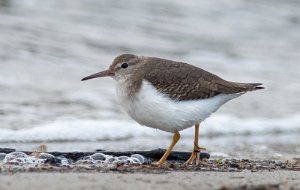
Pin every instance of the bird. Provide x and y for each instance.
(170, 95)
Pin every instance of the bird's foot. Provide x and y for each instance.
(195, 157)
(159, 163)
(200, 148)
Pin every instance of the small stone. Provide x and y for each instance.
(2, 156)
(63, 160)
(17, 158)
(85, 160)
(278, 162)
(14, 155)
(122, 158)
(98, 156)
(45, 156)
(139, 157)
(49, 158)
(110, 160)
(135, 161)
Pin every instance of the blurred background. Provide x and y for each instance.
(47, 46)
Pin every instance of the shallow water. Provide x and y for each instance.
(46, 47)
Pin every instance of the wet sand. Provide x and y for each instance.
(172, 180)
(85, 170)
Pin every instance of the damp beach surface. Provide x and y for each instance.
(175, 180)
(105, 170)
(129, 170)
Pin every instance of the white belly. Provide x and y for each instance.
(153, 109)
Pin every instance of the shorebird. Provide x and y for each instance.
(170, 95)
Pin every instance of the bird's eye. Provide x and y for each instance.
(124, 65)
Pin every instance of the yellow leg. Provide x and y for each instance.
(197, 149)
(175, 139)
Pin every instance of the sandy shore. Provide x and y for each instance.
(172, 180)
(90, 170)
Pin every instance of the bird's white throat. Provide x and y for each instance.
(151, 108)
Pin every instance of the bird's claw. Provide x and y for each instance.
(195, 155)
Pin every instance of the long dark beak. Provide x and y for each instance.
(105, 73)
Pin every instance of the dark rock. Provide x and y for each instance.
(50, 159)
(7, 150)
(152, 154)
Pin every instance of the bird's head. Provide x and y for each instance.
(121, 68)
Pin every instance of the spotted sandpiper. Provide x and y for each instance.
(169, 95)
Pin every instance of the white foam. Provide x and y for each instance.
(111, 160)
(20, 158)
(98, 159)
(96, 130)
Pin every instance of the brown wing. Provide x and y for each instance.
(181, 81)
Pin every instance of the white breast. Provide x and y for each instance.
(153, 109)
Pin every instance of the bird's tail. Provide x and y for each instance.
(251, 86)
(256, 86)
(236, 87)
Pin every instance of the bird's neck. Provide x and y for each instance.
(129, 86)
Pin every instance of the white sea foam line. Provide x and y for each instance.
(93, 130)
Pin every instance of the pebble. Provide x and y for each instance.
(140, 158)
(98, 156)
(110, 159)
(44, 155)
(15, 158)
(2, 156)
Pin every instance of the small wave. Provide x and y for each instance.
(99, 130)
